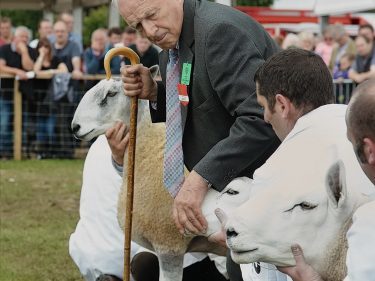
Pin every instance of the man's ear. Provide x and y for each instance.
(369, 151)
(284, 105)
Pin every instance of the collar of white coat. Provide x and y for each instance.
(321, 115)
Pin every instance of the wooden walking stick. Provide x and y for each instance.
(134, 59)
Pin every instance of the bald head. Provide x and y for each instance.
(360, 120)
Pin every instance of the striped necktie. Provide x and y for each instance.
(173, 155)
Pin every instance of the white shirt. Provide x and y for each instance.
(323, 129)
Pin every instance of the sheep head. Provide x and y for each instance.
(101, 107)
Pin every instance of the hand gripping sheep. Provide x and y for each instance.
(134, 59)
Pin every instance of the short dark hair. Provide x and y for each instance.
(361, 111)
(130, 30)
(5, 20)
(300, 75)
(114, 30)
(367, 25)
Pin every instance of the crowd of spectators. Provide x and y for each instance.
(346, 57)
(57, 58)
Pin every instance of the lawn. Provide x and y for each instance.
(39, 201)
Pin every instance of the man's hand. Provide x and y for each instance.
(302, 271)
(77, 74)
(187, 212)
(219, 237)
(21, 48)
(21, 74)
(118, 139)
(138, 81)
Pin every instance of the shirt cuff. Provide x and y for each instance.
(119, 169)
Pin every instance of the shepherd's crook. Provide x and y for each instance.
(134, 59)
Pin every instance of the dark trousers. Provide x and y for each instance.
(233, 269)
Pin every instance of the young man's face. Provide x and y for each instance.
(158, 20)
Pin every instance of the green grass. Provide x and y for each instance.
(39, 203)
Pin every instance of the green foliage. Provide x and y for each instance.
(29, 19)
(96, 18)
(264, 3)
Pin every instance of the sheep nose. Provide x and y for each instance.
(75, 128)
(231, 233)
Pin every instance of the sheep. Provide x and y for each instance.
(309, 199)
(153, 226)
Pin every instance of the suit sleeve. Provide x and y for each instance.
(231, 64)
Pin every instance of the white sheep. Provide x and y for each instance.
(153, 226)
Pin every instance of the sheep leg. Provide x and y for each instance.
(171, 267)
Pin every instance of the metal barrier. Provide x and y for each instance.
(33, 127)
(41, 129)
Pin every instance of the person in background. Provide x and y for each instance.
(290, 41)
(44, 30)
(325, 48)
(16, 58)
(366, 30)
(5, 31)
(114, 36)
(94, 56)
(342, 72)
(148, 55)
(68, 19)
(128, 37)
(363, 67)
(345, 45)
(46, 64)
(307, 40)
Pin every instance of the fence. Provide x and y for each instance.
(32, 125)
(38, 128)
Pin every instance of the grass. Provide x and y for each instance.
(39, 203)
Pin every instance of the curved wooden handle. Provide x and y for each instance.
(123, 51)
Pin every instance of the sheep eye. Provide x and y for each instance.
(305, 206)
(111, 94)
(232, 192)
(103, 102)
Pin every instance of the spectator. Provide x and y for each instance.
(69, 21)
(114, 36)
(15, 59)
(94, 56)
(363, 67)
(290, 41)
(128, 36)
(44, 30)
(147, 53)
(307, 40)
(344, 45)
(46, 110)
(325, 48)
(367, 31)
(342, 72)
(67, 51)
(5, 31)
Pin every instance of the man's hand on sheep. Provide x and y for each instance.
(118, 139)
(187, 211)
(302, 271)
(138, 81)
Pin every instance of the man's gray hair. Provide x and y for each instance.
(22, 28)
(339, 30)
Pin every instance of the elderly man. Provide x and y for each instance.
(360, 120)
(16, 59)
(207, 96)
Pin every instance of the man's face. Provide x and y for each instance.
(61, 33)
(128, 39)
(363, 48)
(366, 32)
(98, 41)
(5, 30)
(69, 21)
(158, 20)
(274, 117)
(115, 38)
(21, 37)
(45, 29)
(143, 44)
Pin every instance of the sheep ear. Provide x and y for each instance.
(154, 70)
(336, 184)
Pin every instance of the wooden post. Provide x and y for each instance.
(17, 123)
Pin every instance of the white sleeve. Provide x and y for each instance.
(360, 258)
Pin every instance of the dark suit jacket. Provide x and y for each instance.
(224, 132)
